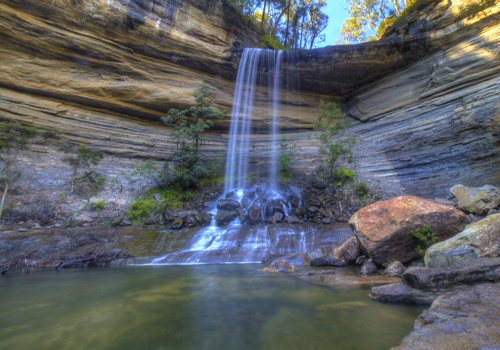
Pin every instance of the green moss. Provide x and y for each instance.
(267, 40)
(343, 175)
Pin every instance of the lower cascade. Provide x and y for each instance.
(232, 235)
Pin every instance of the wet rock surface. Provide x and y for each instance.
(327, 261)
(228, 204)
(421, 285)
(280, 266)
(368, 267)
(465, 319)
(292, 259)
(383, 228)
(348, 252)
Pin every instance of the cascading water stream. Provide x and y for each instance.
(236, 242)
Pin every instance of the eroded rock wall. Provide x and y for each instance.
(436, 123)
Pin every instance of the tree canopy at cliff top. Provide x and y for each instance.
(301, 24)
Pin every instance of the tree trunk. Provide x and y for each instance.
(287, 22)
(263, 13)
(396, 5)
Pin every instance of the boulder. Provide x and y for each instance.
(293, 259)
(292, 220)
(272, 220)
(203, 218)
(475, 271)
(278, 216)
(331, 279)
(483, 237)
(228, 204)
(327, 261)
(177, 224)
(315, 254)
(464, 319)
(395, 268)
(477, 200)
(254, 213)
(190, 221)
(312, 209)
(225, 218)
(383, 228)
(167, 217)
(438, 259)
(328, 213)
(229, 194)
(348, 252)
(368, 267)
(403, 293)
(280, 266)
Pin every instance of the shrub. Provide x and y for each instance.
(334, 144)
(425, 236)
(189, 126)
(361, 188)
(84, 157)
(285, 158)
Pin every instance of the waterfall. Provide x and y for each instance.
(268, 64)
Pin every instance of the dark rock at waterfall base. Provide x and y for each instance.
(278, 216)
(190, 221)
(273, 220)
(312, 209)
(464, 319)
(167, 217)
(177, 224)
(327, 261)
(254, 213)
(225, 218)
(203, 219)
(228, 204)
(368, 267)
(292, 220)
(229, 194)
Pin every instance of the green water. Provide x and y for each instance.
(191, 307)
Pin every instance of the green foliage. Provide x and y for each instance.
(425, 236)
(472, 10)
(267, 40)
(372, 15)
(388, 263)
(361, 188)
(377, 197)
(250, 178)
(142, 208)
(99, 204)
(47, 134)
(189, 125)
(334, 144)
(285, 159)
(84, 157)
(94, 179)
(16, 133)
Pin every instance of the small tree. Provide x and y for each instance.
(83, 158)
(285, 158)
(189, 126)
(334, 144)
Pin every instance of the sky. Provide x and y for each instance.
(336, 15)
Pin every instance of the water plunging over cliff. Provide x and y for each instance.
(256, 65)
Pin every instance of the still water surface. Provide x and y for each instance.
(192, 307)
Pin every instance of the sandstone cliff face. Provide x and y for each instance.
(435, 123)
(104, 72)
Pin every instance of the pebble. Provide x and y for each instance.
(22, 230)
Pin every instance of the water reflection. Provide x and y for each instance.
(192, 307)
